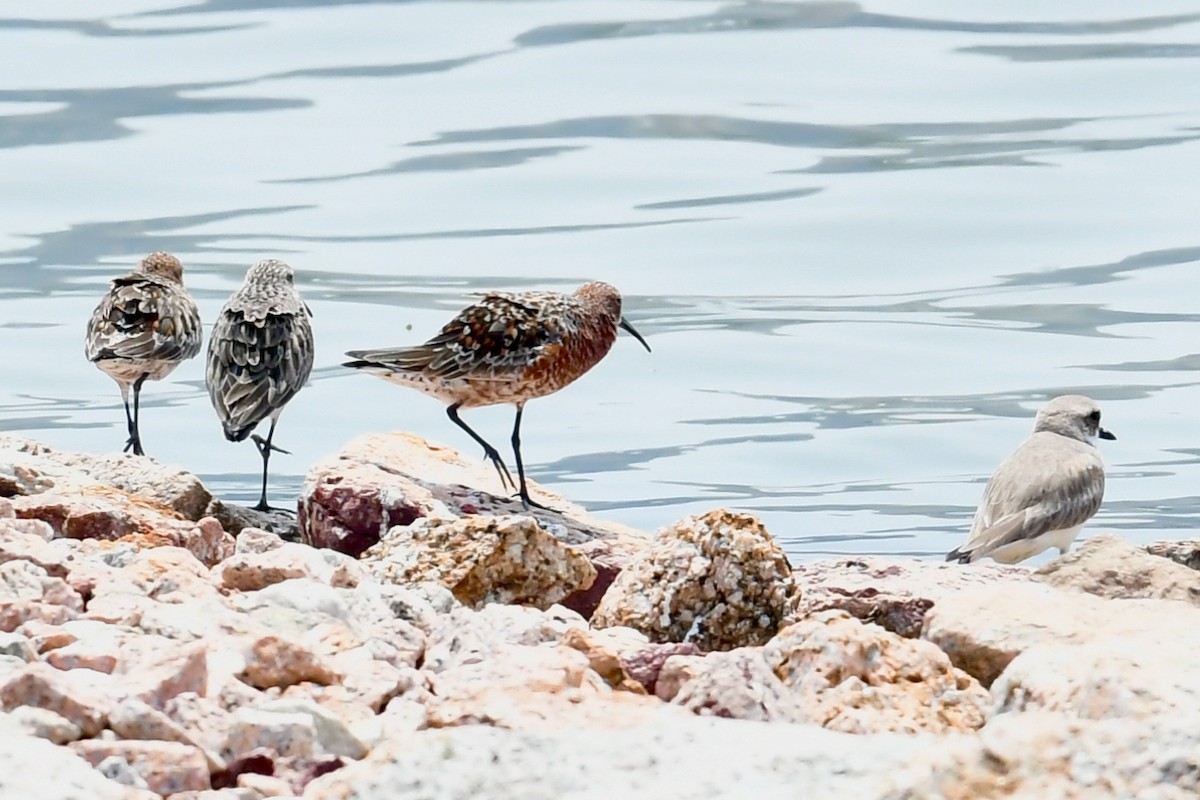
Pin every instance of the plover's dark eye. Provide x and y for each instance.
(1094, 416)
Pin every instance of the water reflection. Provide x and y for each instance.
(448, 162)
(858, 414)
(778, 16)
(89, 115)
(1086, 52)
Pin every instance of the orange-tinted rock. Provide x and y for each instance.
(166, 767)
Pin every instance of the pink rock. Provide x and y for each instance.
(251, 571)
(98, 512)
(206, 722)
(171, 670)
(13, 613)
(284, 734)
(82, 655)
(260, 761)
(645, 664)
(133, 719)
(167, 767)
(894, 593)
(256, 540)
(322, 766)
(25, 581)
(483, 560)
(265, 785)
(170, 575)
(69, 694)
(17, 544)
(736, 684)
(275, 661)
(33, 468)
(382, 480)
(118, 608)
(45, 636)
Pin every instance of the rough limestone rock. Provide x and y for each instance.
(80, 696)
(165, 767)
(1185, 551)
(379, 481)
(1136, 676)
(676, 757)
(894, 593)
(835, 671)
(29, 468)
(101, 512)
(718, 580)
(861, 678)
(1109, 566)
(983, 629)
(736, 684)
(262, 559)
(31, 767)
(1042, 755)
(45, 724)
(235, 518)
(483, 560)
(644, 663)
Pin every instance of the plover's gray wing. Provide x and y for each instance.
(144, 318)
(256, 364)
(489, 339)
(1051, 483)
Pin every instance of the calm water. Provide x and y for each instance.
(866, 241)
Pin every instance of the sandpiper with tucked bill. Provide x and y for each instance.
(144, 327)
(260, 355)
(1041, 495)
(507, 348)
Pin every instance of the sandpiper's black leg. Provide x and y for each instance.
(134, 442)
(264, 449)
(493, 455)
(526, 500)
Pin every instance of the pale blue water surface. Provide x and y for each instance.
(865, 241)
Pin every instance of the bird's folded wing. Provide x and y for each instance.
(256, 366)
(484, 340)
(1031, 496)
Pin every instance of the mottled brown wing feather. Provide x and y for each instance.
(485, 340)
(142, 318)
(256, 366)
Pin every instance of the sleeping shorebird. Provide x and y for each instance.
(260, 354)
(143, 329)
(1040, 496)
(507, 348)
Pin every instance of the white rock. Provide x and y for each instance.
(45, 724)
(333, 737)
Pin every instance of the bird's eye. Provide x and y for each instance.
(1094, 416)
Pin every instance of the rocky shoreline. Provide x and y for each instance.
(409, 635)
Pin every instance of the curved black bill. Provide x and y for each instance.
(626, 326)
(1106, 434)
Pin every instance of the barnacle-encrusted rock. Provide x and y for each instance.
(483, 560)
(718, 580)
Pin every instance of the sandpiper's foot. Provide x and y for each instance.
(134, 444)
(264, 446)
(266, 508)
(529, 503)
(506, 481)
